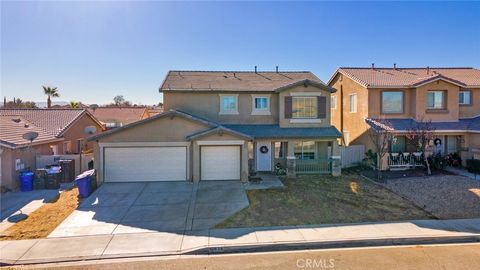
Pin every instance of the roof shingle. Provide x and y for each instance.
(52, 121)
(12, 129)
(410, 77)
(232, 80)
(124, 115)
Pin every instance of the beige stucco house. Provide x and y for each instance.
(404, 97)
(225, 126)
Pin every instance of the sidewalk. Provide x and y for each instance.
(462, 172)
(235, 240)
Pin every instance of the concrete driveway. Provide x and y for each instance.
(117, 208)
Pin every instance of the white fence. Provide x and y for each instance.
(352, 155)
(44, 160)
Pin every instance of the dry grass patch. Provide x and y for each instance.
(318, 199)
(44, 220)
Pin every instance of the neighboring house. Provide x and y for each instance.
(224, 126)
(60, 131)
(449, 97)
(113, 117)
(154, 110)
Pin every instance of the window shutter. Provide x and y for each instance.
(321, 107)
(288, 107)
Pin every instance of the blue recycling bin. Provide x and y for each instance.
(26, 181)
(83, 183)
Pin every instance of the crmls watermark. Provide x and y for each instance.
(308, 263)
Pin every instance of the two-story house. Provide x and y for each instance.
(448, 97)
(224, 126)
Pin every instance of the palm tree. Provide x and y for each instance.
(74, 104)
(50, 92)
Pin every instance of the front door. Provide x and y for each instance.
(264, 156)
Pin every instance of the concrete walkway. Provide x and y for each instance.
(462, 172)
(235, 240)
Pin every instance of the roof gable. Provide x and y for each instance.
(219, 130)
(306, 83)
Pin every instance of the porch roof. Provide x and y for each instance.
(404, 124)
(276, 132)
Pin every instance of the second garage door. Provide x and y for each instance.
(138, 164)
(220, 163)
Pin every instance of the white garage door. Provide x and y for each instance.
(220, 163)
(137, 164)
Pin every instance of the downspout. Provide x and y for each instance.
(341, 114)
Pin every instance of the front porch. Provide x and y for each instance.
(403, 154)
(292, 157)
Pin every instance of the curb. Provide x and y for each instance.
(279, 246)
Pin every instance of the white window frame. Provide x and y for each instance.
(444, 105)
(354, 103)
(233, 111)
(333, 102)
(265, 111)
(469, 97)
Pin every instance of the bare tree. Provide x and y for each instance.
(381, 134)
(420, 133)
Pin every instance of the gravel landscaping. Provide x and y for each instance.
(444, 196)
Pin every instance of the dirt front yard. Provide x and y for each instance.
(445, 196)
(44, 220)
(317, 199)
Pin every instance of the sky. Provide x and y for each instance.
(95, 50)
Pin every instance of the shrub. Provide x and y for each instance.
(473, 165)
(437, 162)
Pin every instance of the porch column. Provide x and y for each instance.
(244, 163)
(291, 162)
(336, 159)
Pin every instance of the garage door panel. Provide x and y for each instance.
(220, 163)
(132, 164)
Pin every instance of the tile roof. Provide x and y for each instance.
(233, 80)
(52, 121)
(275, 131)
(124, 115)
(12, 129)
(410, 77)
(404, 124)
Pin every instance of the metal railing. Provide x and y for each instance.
(405, 160)
(313, 166)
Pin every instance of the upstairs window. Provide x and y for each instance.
(353, 103)
(304, 107)
(464, 98)
(392, 102)
(261, 105)
(228, 104)
(436, 100)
